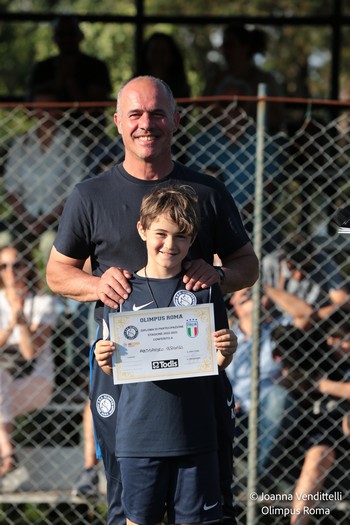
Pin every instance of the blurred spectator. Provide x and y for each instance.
(342, 218)
(76, 76)
(276, 405)
(105, 154)
(227, 148)
(316, 367)
(42, 167)
(87, 484)
(299, 269)
(240, 45)
(27, 318)
(161, 57)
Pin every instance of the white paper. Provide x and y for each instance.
(163, 343)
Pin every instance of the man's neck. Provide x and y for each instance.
(148, 170)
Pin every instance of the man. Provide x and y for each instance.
(100, 217)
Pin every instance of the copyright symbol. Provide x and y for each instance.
(253, 496)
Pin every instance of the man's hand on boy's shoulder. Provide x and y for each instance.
(199, 274)
(113, 287)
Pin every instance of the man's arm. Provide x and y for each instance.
(66, 276)
(241, 270)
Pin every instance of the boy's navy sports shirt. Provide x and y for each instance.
(168, 417)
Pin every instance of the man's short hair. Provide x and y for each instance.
(172, 102)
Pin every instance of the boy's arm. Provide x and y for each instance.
(103, 354)
(226, 345)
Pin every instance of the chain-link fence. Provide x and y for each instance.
(305, 178)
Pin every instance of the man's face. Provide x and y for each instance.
(145, 120)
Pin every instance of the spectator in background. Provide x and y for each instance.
(240, 45)
(276, 405)
(42, 167)
(300, 270)
(227, 146)
(161, 57)
(316, 367)
(76, 76)
(106, 153)
(27, 318)
(87, 484)
(84, 328)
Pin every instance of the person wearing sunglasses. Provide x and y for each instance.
(27, 318)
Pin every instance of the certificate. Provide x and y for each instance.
(163, 343)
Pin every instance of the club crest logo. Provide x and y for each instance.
(105, 405)
(131, 332)
(192, 327)
(184, 298)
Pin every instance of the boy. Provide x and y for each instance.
(166, 441)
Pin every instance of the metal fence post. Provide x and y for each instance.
(254, 408)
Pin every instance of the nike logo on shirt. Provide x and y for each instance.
(208, 507)
(229, 401)
(136, 308)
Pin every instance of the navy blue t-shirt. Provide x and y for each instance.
(100, 217)
(168, 417)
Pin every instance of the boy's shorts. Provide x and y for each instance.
(187, 487)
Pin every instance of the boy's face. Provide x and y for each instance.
(166, 246)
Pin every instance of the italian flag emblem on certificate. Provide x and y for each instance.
(192, 327)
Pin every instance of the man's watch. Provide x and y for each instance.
(221, 273)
